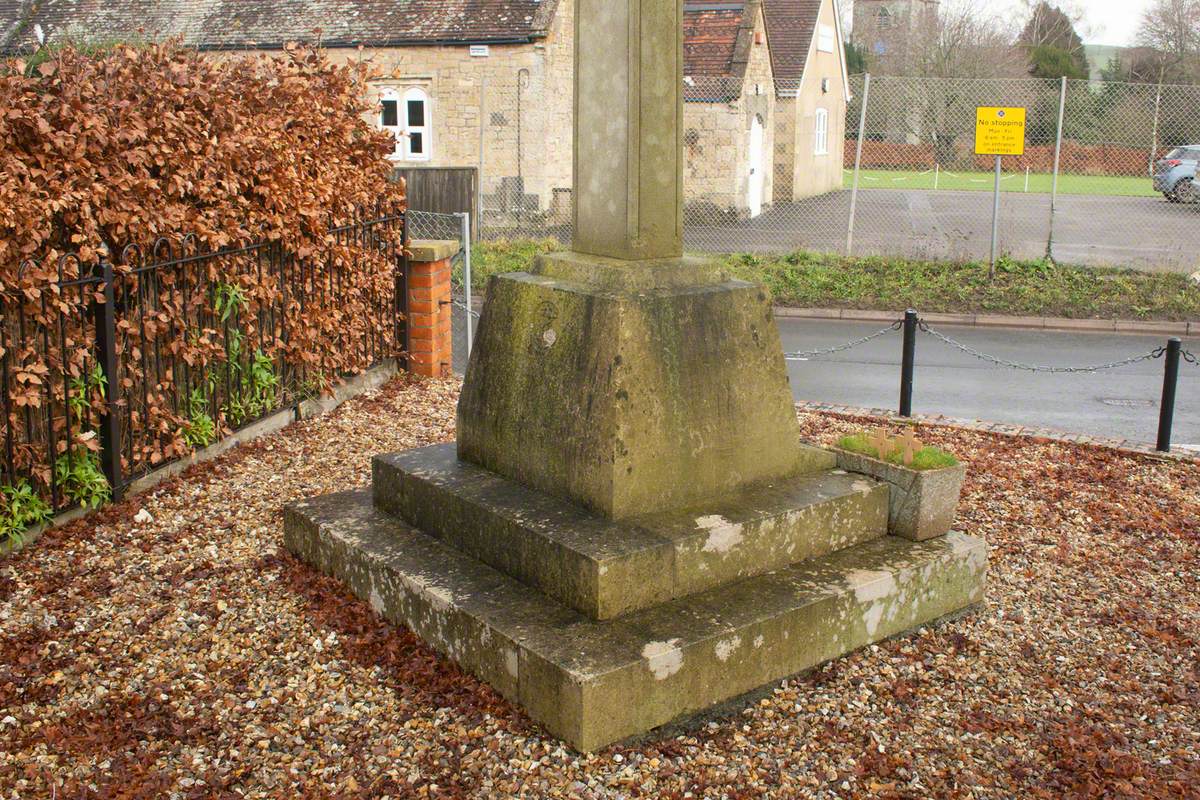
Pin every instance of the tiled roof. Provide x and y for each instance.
(790, 27)
(710, 37)
(718, 33)
(263, 24)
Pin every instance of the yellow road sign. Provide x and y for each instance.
(999, 131)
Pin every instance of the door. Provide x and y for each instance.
(757, 184)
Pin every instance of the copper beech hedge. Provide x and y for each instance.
(134, 153)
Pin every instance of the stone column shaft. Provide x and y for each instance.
(628, 124)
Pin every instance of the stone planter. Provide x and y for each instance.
(922, 503)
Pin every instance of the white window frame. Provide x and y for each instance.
(425, 129)
(826, 39)
(821, 132)
(387, 95)
(403, 130)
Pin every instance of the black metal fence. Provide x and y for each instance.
(111, 367)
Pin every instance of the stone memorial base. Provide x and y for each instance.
(629, 530)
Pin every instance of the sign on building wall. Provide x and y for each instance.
(999, 131)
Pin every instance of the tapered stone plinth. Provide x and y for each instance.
(630, 389)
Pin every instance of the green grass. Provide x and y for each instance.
(924, 459)
(1039, 182)
(501, 256)
(1025, 288)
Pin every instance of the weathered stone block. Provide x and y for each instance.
(593, 683)
(630, 394)
(603, 568)
(923, 503)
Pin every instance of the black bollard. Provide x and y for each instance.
(1166, 411)
(908, 362)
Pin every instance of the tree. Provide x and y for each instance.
(965, 40)
(1052, 45)
(856, 59)
(1170, 30)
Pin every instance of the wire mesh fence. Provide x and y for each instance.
(885, 166)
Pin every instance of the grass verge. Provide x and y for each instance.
(1039, 182)
(1024, 288)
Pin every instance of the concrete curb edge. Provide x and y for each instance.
(1001, 321)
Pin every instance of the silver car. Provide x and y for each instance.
(1175, 173)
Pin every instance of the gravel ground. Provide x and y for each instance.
(169, 648)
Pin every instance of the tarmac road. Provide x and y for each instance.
(1146, 233)
(1122, 403)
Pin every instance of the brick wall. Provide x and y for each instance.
(430, 308)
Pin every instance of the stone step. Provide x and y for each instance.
(591, 682)
(604, 568)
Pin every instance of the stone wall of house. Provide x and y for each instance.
(516, 91)
(717, 139)
(816, 174)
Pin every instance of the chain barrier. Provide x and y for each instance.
(461, 305)
(805, 355)
(1003, 362)
(1189, 357)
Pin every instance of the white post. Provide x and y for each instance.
(937, 173)
(862, 124)
(1026, 179)
(466, 240)
(1154, 132)
(995, 222)
(1062, 105)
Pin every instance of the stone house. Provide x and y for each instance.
(465, 83)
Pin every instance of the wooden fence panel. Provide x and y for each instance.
(442, 190)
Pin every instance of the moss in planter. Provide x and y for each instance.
(926, 458)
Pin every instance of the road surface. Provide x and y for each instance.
(1122, 403)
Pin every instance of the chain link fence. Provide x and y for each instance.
(887, 168)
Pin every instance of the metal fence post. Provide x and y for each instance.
(908, 361)
(862, 124)
(478, 204)
(104, 314)
(995, 223)
(1062, 106)
(466, 238)
(1166, 411)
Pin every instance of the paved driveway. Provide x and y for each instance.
(1143, 232)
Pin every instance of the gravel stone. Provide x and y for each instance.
(168, 647)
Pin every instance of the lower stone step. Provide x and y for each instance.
(593, 683)
(604, 568)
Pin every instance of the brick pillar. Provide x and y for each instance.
(429, 306)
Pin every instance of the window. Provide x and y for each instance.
(416, 125)
(407, 119)
(885, 19)
(821, 133)
(825, 39)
